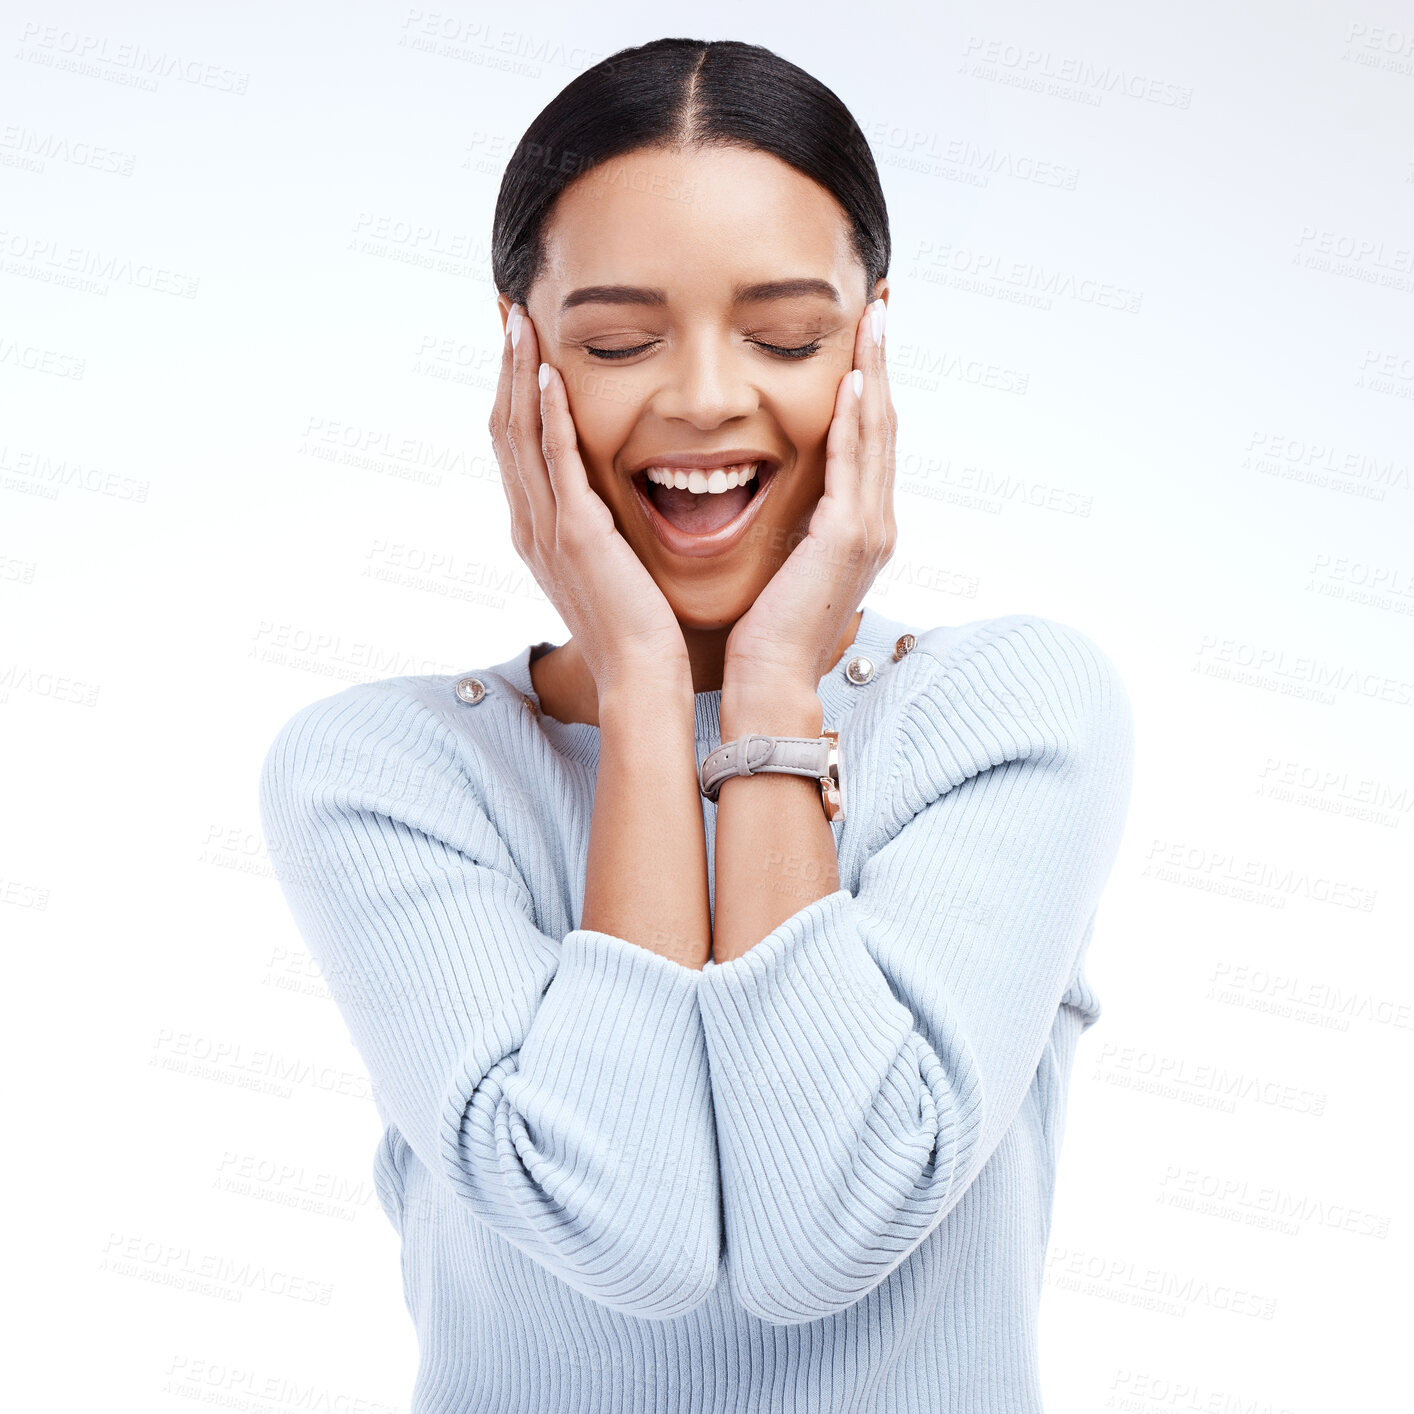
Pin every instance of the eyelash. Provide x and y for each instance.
(800, 351)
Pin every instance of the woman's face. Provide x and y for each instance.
(653, 257)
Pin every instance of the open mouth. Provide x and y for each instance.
(703, 502)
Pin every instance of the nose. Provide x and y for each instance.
(707, 380)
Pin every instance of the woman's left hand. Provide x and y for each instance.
(787, 640)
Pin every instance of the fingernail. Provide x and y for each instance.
(876, 320)
(857, 378)
(514, 322)
(544, 375)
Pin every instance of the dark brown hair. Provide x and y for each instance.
(685, 92)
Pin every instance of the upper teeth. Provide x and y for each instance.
(713, 482)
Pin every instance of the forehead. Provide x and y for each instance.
(696, 222)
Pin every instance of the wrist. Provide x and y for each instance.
(661, 698)
(780, 709)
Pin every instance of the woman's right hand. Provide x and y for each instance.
(621, 622)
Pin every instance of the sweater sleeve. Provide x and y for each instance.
(869, 1053)
(558, 1086)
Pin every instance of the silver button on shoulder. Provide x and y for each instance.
(470, 690)
(904, 646)
(859, 669)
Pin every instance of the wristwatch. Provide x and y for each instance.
(754, 754)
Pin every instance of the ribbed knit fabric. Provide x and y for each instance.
(816, 1178)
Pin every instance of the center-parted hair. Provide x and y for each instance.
(681, 93)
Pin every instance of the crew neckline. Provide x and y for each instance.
(874, 639)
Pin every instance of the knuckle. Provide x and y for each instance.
(519, 434)
(575, 528)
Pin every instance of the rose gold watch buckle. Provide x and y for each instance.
(831, 794)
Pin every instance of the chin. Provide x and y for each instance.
(705, 609)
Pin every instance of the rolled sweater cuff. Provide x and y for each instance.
(614, 1066)
(800, 993)
(617, 1032)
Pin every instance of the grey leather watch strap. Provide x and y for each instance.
(754, 753)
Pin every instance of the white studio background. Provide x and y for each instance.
(1152, 345)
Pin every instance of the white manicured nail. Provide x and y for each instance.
(544, 375)
(515, 326)
(857, 378)
(876, 321)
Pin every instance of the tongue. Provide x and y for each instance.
(699, 515)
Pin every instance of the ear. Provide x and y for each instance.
(881, 291)
(504, 303)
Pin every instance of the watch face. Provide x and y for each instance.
(832, 785)
(844, 798)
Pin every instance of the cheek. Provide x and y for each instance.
(806, 409)
(604, 408)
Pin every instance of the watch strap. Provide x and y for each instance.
(753, 753)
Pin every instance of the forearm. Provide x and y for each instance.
(646, 876)
(775, 850)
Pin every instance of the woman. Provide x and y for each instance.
(707, 1086)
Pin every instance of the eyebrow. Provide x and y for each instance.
(741, 294)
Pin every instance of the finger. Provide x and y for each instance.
(583, 514)
(863, 528)
(505, 458)
(840, 519)
(523, 431)
(889, 415)
(876, 431)
(559, 442)
(874, 411)
(842, 445)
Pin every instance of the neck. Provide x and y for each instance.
(707, 653)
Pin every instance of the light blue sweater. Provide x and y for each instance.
(816, 1178)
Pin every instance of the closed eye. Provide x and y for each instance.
(799, 351)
